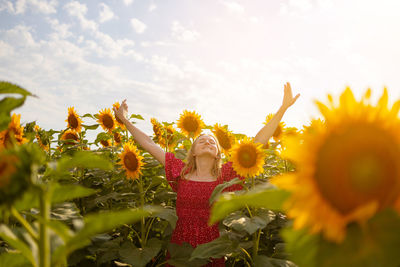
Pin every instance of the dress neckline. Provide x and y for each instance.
(201, 181)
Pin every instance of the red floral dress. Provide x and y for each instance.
(192, 204)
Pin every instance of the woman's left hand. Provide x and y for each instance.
(288, 98)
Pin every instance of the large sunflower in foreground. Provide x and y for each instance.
(348, 168)
(131, 161)
(74, 121)
(279, 129)
(190, 123)
(247, 158)
(14, 131)
(225, 137)
(106, 120)
(116, 105)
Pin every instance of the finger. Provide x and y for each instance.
(297, 96)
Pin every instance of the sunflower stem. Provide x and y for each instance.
(44, 239)
(142, 222)
(24, 223)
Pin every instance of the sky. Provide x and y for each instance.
(225, 59)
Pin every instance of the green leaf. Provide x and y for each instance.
(13, 259)
(90, 127)
(12, 240)
(102, 136)
(301, 246)
(84, 159)
(180, 255)
(215, 249)
(61, 193)
(5, 120)
(103, 222)
(88, 115)
(136, 116)
(264, 261)
(241, 222)
(139, 257)
(266, 198)
(68, 192)
(9, 103)
(219, 188)
(10, 88)
(169, 215)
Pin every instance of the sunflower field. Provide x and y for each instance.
(324, 195)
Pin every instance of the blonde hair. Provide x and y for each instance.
(190, 160)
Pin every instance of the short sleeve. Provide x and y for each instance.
(173, 167)
(228, 173)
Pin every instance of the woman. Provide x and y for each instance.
(195, 180)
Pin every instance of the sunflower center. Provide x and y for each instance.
(71, 136)
(130, 161)
(358, 165)
(247, 156)
(117, 137)
(191, 124)
(108, 121)
(73, 121)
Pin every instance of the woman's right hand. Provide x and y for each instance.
(122, 112)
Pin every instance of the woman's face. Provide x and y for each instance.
(206, 144)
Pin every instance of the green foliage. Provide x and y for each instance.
(258, 197)
(374, 243)
(7, 104)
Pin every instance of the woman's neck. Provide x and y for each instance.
(204, 167)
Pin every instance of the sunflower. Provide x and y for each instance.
(131, 161)
(279, 129)
(70, 135)
(225, 137)
(169, 140)
(158, 130)
(247, 158)
(74, 121)
(106, 120)
(14, 131)
(105, 143)
(190, 123)
(117, 138)
(116, 105)
(348, 168)
(43, 144)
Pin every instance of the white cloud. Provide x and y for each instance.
(78, 10)
(61, 30)
(21, 6)
(128, 2)
(6, 50)
(234, 7)
(152, 7)
(45, 7)
(20, 36)
(106, 13)
(182, 34)
(298, 7)
(138, 26)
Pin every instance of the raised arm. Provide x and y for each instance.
(268, 130)
(139, 136)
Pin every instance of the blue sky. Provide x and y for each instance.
(226, 59)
